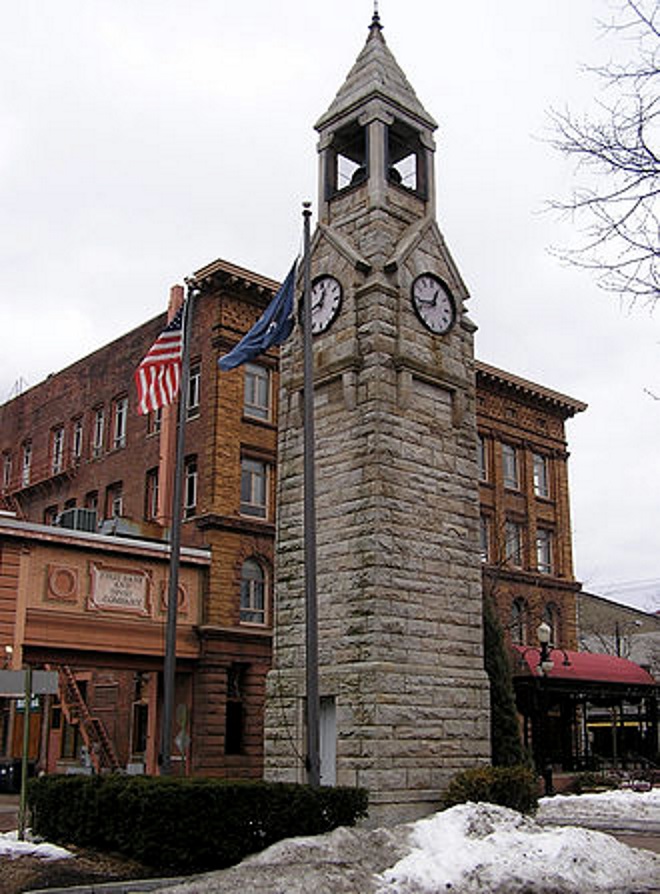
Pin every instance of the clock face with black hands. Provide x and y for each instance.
(326, 295)
(433, 303)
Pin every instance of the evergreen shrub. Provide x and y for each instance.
(185, 825)
(514, 787)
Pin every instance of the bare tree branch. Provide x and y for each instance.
(618, 153)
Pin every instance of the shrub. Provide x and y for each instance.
(187, 825)
(514, 787)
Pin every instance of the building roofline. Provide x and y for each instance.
(241, 275)
(614, 603)
(19, 529)
(523, 386)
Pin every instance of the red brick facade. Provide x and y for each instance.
(526, 531)
(222, 681)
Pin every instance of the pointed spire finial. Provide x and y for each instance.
(375, 21)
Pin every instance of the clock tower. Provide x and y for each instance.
(404, 695)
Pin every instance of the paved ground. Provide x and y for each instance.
(8, 812)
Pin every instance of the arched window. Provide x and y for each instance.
(519, 613)
(253, 593)
(551, 616)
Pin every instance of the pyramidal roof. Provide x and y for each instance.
(375, 73)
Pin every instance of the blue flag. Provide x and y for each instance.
(272, 328)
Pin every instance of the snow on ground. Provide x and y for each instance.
(10, 846)
(469, 849)
(611, 810)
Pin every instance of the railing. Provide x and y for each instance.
(94, 734)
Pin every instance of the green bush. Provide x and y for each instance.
(187, 825)
(514, 787)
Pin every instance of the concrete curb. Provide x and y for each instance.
(127, 886)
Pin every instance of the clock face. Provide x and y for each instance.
(326, 295)
(433, 303)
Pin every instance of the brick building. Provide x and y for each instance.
(525, 513)
(73, 452)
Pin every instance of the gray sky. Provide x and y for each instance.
(142, 139)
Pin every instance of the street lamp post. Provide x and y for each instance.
(544, 668)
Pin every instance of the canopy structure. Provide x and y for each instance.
(584, 667)
(587, 710)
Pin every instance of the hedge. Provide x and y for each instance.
(514, 787)
(186, 825)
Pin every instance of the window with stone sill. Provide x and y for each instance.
(57, 449)
(253, 593)
(120, 417)
(254, 487)
(482, 458)
(544, 550)
(6, 469)
(98, 432)
(484, 538)
(510, 470)
(194, 390)
(257, 391)
(519, 617)
(541, 477)
(151, 495)
(513, 546)
(190, 481)
(114, 503)
(26, 464)
(77, 439)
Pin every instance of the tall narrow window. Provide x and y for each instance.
(513, 547)
(155, 421)
(519, 613)
(482, 459)
(253, 603)
(510, 467)
(254, 487)
(98, 427)
(120, 413)
(151, 495)
(114, 502)
(26, 463)
(194, 384)
(6, 469)
(544, 550)
(234, 717)
(77, 440)
(257, 391)
(92, 500)
(57, 449)
(484, 537)
(552, 618)
(541, 482)
(50, 515)
(190, 487)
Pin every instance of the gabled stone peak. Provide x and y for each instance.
(376, 73)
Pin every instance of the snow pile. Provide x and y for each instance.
(469, 849)
(474, 848)
(612, 810)
(11, 847)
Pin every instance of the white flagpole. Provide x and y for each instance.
(311, 629)
(169, 670)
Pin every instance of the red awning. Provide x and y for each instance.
(584, 666)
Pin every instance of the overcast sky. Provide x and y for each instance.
(142, 139)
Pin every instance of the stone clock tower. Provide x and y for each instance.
(404, 695)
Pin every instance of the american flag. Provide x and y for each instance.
(157, 377)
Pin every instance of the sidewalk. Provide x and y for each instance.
(8, 812)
